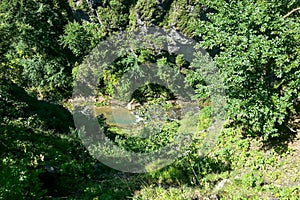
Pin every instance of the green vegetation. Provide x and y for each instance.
(255, 46)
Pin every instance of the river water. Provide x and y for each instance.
(117, 115)
(122, 117)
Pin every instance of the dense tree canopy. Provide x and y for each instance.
(253, 44)
(30, 50)
(259, 58)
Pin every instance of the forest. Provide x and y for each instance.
(149, 99)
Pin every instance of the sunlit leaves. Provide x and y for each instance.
(259, 52)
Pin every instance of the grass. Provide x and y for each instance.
(254, 173)
(250, 172)
(237, 167)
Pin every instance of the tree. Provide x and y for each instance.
(30, 52)
(259, 58)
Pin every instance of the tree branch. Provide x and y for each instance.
(291, 12)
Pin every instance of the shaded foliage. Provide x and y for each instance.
(16, 103)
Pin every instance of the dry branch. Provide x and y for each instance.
(291, 12)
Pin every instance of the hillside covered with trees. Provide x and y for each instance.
(47, 48)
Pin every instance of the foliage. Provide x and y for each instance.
(255, 48)
(17, 103)
(259, 59)
(80, 38)
(28, 150)
(28, 144)
(30, 52)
